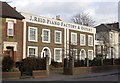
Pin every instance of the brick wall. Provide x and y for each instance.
(17, 38)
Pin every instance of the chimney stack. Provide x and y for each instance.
(14, 8)
(58, 17)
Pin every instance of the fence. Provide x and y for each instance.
(71, 69)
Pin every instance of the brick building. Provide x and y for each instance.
(27, 35)
(11, 32)
(57, 39)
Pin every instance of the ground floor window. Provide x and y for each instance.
(90, 54)
(74, 54)
(58, 54)
(32, 51)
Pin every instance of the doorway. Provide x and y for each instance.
(46, 52)
(10, 51)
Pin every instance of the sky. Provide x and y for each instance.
(102, 11)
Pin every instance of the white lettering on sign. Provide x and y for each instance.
(59, 23)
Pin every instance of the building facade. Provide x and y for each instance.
(11, 32)
(108, 40)
(57, 39)
(27, 35)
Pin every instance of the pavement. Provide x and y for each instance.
(57, 75)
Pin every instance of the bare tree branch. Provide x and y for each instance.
(83, 19)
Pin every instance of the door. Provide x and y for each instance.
(10, 52)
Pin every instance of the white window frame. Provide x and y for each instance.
(60, 54)
(99, 49)
(36, 50)
(72, 55)
(84, 39)
(110, 35)
(60, 37)
(92, 54)
(72, 42)
(36, 37)
(48, 35)
(9, 27)
(90, 44)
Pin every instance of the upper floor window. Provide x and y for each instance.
(82, 39)
(58, 37)
(10, 31)
(90, 40)
(111, 35)
(32, 34)
(98, 49)
(46, 35)
(73, 38)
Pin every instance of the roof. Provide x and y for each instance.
(108, 27)
(9, 12)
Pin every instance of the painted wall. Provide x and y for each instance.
(0, 36)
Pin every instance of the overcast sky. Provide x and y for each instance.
(102, 11)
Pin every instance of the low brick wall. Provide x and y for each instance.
(40, 74)
(104, 68)
(87, 70)
(10, 75)
(81, 70)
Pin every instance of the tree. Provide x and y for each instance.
(103, 40)
(83, 19)
(70, 52)
(107, 46)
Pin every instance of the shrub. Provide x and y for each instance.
(7, 64)
(56, 64)
(32, 63)
(29, 64)
(96, 61)
(107, 61)
(117, 61)
(79, 63)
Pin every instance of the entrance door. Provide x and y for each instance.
(46, 52)
(111, 51)
(10, 52)
(82, 54)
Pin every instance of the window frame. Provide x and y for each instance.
(92, 54)
(36, 51)
(76, 57)
(60, 37)
(84, 39)
(73, 43)
(89, 44)
(8, 27)
(99, 49)
(60, 54)
(36, 35)
(43, 35)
